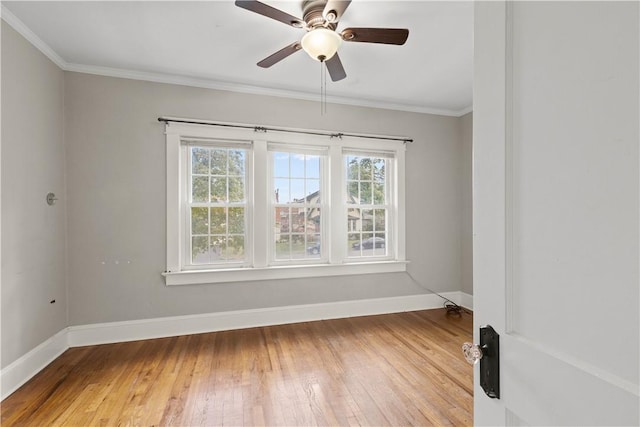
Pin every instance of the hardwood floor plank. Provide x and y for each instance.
(396, 369)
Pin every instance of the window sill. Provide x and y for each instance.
(280, 272)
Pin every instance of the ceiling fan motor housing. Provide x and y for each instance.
(312, 14)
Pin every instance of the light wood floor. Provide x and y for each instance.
(397, 369)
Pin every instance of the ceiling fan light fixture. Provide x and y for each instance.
(321, 43)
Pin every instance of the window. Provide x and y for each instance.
(297, 175)
(245, 205)
(368, 207)
(216, 204)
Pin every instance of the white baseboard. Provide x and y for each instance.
(104, 333)
(20, 371)
(23, 369)
(466, 300)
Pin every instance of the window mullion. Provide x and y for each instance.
(336, 189)
(262, 205)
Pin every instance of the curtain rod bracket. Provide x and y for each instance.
(260, 129)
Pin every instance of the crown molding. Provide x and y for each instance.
(36, 41)
(253, 90)
(31, 37)
(464, 111)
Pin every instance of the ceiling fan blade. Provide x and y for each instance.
(280, 55)
(376, 35)
(334, 9)
(270, 12)
(336, 70)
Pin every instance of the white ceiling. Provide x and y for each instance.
(216, 44)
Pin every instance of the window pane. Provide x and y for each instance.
(236, 190)
(313, 190)
(353, 220)
(297, 162)
(218, 162)
(281, 191)
(282, 221)
(378, 194)
(234, 250)
(313, 246)
(353, 168)
(283, 250)
(199, 221)
(379, 170)
(380, 244)
(366, 169)
(200, 250)
(380, 218)
(353, 243)
(236, 162)
(353, 194)
(218, 220)
(281, 164)
(297, 220)
(217, 246)
(298, 248)
(297, 191)
(313, 220)
(218, 190)
(367, 220)
(365, 193)
(236, 220)
(199, 160)
(313, 167)
(200, 189)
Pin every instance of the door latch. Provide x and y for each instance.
(488, 354)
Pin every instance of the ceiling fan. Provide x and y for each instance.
(321, 42)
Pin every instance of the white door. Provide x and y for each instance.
(556, 219)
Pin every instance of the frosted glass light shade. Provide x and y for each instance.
(321, 44)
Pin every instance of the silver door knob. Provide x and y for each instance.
(472, 352)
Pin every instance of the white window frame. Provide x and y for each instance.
(323, 152)
(260, 264)
(185, 204)
(390, 205)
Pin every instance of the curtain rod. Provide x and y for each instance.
(265, 129)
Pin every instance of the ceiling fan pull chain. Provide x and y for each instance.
(321, 109)
(324, 88)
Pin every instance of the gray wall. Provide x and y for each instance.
(33, 164)
(116, 199)
(100, 250)
(466, 181)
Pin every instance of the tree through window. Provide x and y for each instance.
(217, 204)
(367, 205)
